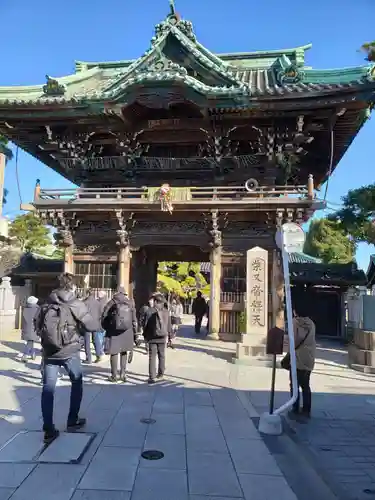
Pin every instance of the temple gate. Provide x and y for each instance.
(187, 155)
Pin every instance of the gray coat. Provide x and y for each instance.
(28, 328)
(116, 342)
(94, 307)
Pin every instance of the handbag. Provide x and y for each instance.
(285, 362)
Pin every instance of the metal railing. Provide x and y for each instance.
(178, 195)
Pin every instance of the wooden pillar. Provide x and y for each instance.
(68, 259)
(68, 244)
(277, 291)
(310, 187)
(124, 256)
(215, 290)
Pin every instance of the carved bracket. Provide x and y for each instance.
(66, 224)
(126, 223)
(214, 223)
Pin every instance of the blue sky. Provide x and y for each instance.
(42, 37)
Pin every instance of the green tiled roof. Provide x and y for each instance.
(240, 77)
(303, 258)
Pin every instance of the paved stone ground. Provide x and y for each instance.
(205, 413)
(203, 426)
(339, 441)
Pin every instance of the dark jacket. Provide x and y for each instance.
(116, 342)
(94, 307)
(28, 327)
(149, 329)
(199, 306)
(80, 322)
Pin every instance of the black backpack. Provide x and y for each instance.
(56, 327)
(121, 317)
(160, 318)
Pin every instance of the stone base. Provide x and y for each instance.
(270, 424)
(213, 336)
(252, 355)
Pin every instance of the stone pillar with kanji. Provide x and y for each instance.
(253, 343)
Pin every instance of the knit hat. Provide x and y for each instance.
(32, 300)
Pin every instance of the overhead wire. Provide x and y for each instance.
(330, 163)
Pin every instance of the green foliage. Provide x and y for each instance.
(4, 149)
(182, 278)
(31, 235)
(369, 49)
(327, 241)
(357, 217)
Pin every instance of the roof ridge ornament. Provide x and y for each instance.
(173, 20)
(53, 87)
(288, 72)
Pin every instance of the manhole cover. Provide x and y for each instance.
(368, 491)
(152, 455)
(148, 421)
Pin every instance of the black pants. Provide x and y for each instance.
(114, 364)
(156, 350)
(198, 322)
(303, 380)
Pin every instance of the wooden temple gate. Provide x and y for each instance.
(234, 139)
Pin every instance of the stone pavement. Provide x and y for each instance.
(203, 426)
(339, 441)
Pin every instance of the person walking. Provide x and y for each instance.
(305, 346)
(103, 300)
(96, 311)
(28, 331)
(59, 323)
(176, 313)
(156, 331)
(143, 318)
(119, 321)
(199, 309)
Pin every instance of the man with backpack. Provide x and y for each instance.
(157, 328)
(119, 320)
(60, 323)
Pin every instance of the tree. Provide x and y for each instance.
(357, 216)
(369, 49)
(329, 242)
(4, 149)
(29, 232)
(182, 278)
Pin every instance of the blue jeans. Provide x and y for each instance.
(96, 338)
(50, 374)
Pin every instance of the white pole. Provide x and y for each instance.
(271, 423)
(289, 317)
